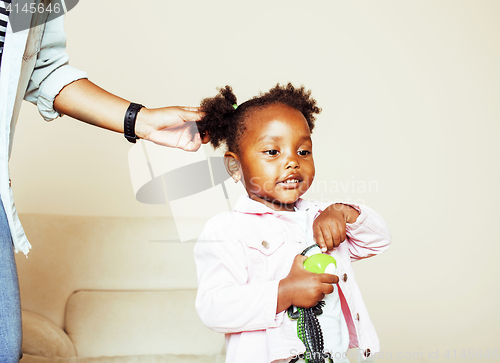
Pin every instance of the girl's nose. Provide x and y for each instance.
(292, 163)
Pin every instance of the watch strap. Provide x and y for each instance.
(129, 121)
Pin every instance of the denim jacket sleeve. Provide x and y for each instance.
(52, 71)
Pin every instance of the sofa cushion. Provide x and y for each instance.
(165, 358)
(122, 323)
(42, 337)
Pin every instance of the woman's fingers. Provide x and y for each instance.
(190, 113)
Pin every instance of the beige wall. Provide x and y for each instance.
(410, 126)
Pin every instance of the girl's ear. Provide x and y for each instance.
(233, 165)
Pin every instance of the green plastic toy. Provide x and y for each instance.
(319, 263)
(308, 327)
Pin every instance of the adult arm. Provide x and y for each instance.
(168, 126)
(57, 88)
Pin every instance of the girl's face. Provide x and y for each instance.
(276, 158)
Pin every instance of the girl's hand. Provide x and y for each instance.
(329, 227)
(302, 288)
(171, 126)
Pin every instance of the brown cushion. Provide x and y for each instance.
(41, 337)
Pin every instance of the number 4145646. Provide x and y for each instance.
(33, 8)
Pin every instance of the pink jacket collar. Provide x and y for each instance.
(250, 206)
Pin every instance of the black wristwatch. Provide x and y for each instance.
(129, 121)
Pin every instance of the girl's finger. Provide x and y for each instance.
(341, 233)
(327, 289)
(328, 278)
(298, 261)
(327, 232)
(318, 238)
(336, 234)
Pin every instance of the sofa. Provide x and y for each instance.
(110, 289)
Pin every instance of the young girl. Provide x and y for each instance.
(249, 266)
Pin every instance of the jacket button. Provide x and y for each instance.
(265, 244)
(344, 277)
(367, 353)
(357, 317)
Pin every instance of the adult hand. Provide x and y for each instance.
(171, 126)
(168, 126)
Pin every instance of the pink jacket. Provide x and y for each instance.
(242, 255)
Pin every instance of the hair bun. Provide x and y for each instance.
(219, 111)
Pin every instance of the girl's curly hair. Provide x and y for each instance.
(225, 122)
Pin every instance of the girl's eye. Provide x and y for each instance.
(303, 152)
(271, 152)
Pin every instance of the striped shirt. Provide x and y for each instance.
(4, 18)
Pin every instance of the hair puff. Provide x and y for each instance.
(225, 124)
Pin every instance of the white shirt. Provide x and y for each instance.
(332, 322)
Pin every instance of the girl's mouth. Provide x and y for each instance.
(291, 183)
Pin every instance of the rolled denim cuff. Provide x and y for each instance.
(52, 86)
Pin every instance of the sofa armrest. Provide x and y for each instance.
(41, 337)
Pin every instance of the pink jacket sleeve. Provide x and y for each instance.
(368, 236)
(225, 302)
